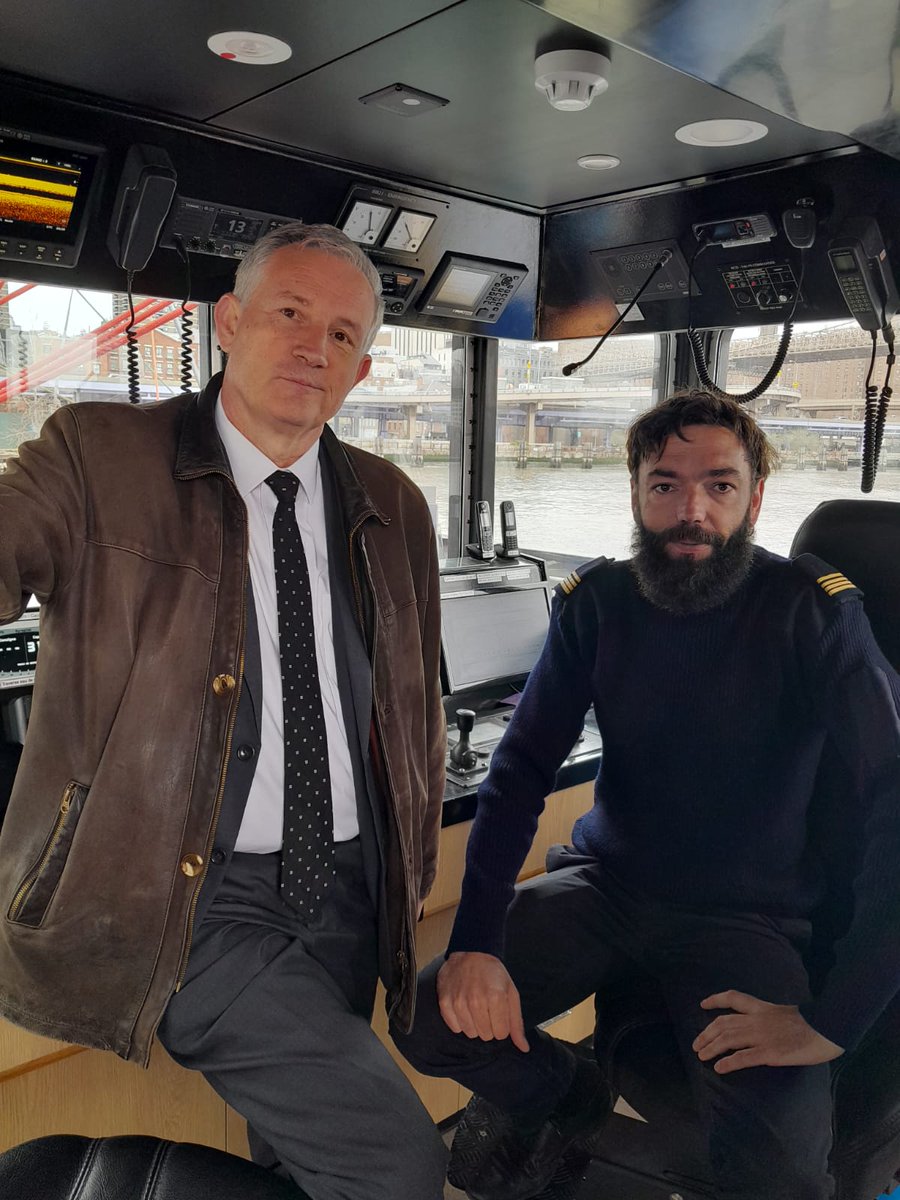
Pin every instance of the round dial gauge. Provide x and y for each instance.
(409, 231)
(365, 221)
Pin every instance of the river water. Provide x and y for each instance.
(588, 513)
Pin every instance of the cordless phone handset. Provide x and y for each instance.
(509, 541)
(484, 531)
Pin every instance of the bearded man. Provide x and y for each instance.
(717, 672)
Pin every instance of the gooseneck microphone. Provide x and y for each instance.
(663, 259)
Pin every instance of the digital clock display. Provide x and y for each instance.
(236, 228)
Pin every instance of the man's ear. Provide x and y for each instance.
(364, 367)
(756, 498)
(635, 502)
(227, 314)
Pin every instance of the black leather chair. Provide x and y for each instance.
(665, 1158)
(66, 1167)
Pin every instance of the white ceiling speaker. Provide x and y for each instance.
(571, 78)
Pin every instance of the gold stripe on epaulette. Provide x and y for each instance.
(834, 583)
(570, 583)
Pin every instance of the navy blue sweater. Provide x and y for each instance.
(713, 727)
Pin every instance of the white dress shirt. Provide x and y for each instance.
(261, 827)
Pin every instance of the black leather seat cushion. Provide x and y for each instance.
(862, 539)
(67, 1167)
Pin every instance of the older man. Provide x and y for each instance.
(226, 815)
(717, 671)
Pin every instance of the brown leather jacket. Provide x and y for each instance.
(126, 524)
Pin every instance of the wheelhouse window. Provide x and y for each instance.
(403, 411)
(561, 440)
(813, 412)
(62, 346)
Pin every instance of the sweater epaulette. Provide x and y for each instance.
(568, 585)
(833, 583)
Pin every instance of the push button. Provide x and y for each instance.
(245, 753)
(223, 684)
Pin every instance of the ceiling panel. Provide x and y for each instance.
(155, 55)
(498, 136)
(829, 64)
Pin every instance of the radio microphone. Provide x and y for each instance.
(664, 258)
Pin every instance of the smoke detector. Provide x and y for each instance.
(571, 78)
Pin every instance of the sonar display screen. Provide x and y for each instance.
(44, 186)
(37, 193)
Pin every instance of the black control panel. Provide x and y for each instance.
(625, 268)
(226, 232)
(762, 285)
(399, 286)
(481, 736)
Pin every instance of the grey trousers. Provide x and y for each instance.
(276, 1015)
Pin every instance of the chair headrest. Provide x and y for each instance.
(862, 539)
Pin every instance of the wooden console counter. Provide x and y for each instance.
(49, 1087)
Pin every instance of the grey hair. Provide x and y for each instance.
(315, 237)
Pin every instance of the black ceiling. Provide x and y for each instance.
(828, 64)
(497, 136)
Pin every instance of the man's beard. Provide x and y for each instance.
(684, 585)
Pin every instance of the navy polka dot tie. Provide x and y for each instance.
(307, 856)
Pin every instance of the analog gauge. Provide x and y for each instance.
(409, 231)
(365, 221)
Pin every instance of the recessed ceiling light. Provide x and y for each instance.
(598, 162)
(256, 49)
(721, 133)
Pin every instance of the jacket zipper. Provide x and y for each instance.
(232, 720)
(402, 957)
(34, 874)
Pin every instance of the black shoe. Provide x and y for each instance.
(568, 1176)
(482, 1126)
(519, 1166)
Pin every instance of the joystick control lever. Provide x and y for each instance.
(462, 755)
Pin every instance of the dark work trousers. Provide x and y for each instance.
(275, 1013)
(575, 932)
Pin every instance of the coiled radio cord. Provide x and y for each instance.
(134, 361)
(186, 353)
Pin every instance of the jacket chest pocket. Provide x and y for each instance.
(34, 893)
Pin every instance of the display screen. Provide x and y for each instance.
(236, 228)
(843, 261)
(18, 650)
(462, 287)
(488, 636)
(43, 187)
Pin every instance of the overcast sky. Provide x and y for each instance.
(61, 309)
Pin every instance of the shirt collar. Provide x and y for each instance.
(250, 467)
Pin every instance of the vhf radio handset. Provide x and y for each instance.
(861, 265)
(484, 528)
(509, 545)
(142, 203)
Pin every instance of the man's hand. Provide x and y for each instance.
(478, 998)
(761, 1035)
